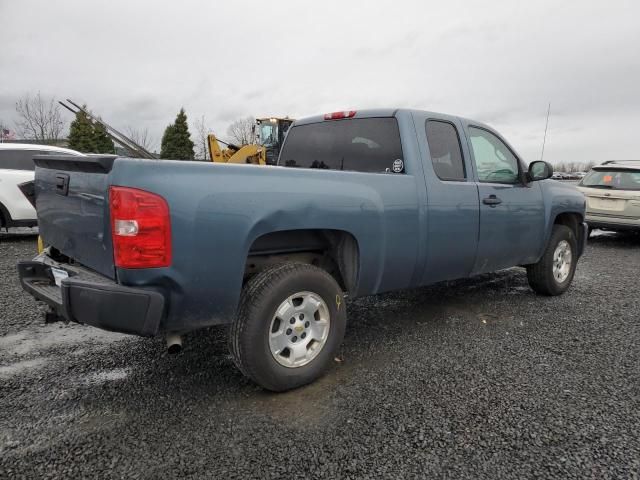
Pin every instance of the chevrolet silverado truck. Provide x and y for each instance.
(360, 203)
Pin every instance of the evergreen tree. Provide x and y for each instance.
(176, 141)
(81, 135)
(101, 140)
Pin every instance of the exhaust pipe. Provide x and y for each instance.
(174, 343)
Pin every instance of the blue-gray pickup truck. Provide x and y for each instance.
(360, 203)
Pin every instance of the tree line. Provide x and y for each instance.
(569, 167)
(40, 120)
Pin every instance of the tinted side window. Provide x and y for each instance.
(17, 159)
(494, 161)
(361, 145)
(446, 155)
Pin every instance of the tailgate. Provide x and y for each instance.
(72, 207)
(623, 204)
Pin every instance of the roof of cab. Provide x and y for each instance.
(368, 113)
(390, 112)
(40, 148)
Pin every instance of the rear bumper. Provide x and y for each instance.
(613, 223)
(89, 298)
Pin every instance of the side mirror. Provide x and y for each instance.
(539, 170)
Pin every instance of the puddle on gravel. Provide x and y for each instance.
(21, 366)
(42, 338)
(305, 406)
(105, 376)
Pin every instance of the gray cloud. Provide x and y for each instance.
(137, 63)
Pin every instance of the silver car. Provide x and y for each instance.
(613, 195)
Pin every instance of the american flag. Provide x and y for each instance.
(6, 134)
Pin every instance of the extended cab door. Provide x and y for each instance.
(511, 212)
(452, 199)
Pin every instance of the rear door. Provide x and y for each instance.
(452, 199)
(512, 215)
(72, 207)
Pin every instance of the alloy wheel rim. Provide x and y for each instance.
(299, 329)
(562, 258)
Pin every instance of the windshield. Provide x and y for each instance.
(268, 133)
(612, 179)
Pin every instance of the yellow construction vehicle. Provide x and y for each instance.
(269, 134)
(253, 154)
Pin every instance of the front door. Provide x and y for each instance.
(511, 213)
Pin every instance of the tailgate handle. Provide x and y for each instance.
(62, 184)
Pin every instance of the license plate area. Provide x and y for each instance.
(607, 204)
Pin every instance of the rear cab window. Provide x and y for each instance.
(445, 150)
(358, 144)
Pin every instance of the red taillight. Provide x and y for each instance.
(339, 115)
(140, 227)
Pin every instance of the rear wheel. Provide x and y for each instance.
(553, 273)
(290, 324)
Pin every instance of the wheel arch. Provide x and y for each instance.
(336, 251)
(573, 220)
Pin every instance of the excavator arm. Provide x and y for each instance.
(215, 152)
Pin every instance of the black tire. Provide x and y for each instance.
(249, 333)
(540, 275)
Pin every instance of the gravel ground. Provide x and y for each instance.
(473, 379)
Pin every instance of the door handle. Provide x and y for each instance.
(492, 201)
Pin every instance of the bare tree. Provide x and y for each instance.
(141, 137)
(201, 143)
(39, 118)
(242, 131)
(560, 167)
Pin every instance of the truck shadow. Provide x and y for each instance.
(203, 377)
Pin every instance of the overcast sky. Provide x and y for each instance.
(136, 62)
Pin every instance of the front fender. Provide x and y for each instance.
(560, 199)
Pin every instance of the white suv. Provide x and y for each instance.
(613, 195)
(16, 167)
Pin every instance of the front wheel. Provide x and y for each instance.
(553, 273)
(290, 324)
